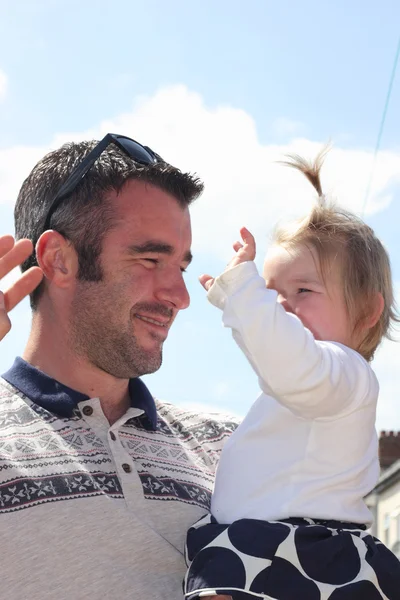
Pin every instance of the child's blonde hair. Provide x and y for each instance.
(335, 233)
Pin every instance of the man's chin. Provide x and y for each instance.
(150, 362)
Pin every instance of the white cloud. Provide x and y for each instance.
(386, 366)
(244, 184)
(3, 84)
(15, 164)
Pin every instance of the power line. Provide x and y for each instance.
(381, 127)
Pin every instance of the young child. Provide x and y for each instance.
(288, 520)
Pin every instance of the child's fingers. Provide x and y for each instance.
(249, 243)
(237, 246)
(206, 281)
(247, 237)
(5, 324)
(22, 287)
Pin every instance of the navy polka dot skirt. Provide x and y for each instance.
(293, 559)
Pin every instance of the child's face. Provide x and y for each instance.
(319, 304)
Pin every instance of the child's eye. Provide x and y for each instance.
(302, 290)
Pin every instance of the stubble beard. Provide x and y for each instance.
(99, 338)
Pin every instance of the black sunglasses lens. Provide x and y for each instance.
(136, 151)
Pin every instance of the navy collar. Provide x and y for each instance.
(60, 399)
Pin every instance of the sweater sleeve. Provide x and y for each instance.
(314, 379)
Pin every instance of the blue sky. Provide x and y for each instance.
(225, 89)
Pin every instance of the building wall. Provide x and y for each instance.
(388, 515)
(389, 448)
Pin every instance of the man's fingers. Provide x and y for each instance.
(206, 281)
(22, 287)
(14, 256)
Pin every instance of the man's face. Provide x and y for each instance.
(120, 323)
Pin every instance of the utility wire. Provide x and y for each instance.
(381, 127)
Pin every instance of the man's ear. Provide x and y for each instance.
(57, 258)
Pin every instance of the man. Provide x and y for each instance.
(99, 482)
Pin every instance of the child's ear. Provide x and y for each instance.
(375, 311)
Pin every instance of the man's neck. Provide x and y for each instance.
(60, 363)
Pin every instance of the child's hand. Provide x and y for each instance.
(244, 253)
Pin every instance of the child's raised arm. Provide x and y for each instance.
(312, 378)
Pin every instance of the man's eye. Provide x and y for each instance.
(153, 261)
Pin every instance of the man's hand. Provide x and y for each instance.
(13, 254)
(244, 253)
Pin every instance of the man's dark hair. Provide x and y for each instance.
(87, 215)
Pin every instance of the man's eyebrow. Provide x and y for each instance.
(155, 247)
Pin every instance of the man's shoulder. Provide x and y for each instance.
(205, 425)
(7, 391)
(193, 414)
(10, 397)
(17, 410)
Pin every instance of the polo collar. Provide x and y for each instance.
(62, 400)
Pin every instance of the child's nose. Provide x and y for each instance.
(284, 302)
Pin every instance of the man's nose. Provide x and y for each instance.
(172, 290)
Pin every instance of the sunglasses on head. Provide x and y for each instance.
(140, 154)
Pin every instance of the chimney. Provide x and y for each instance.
(389, 448)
